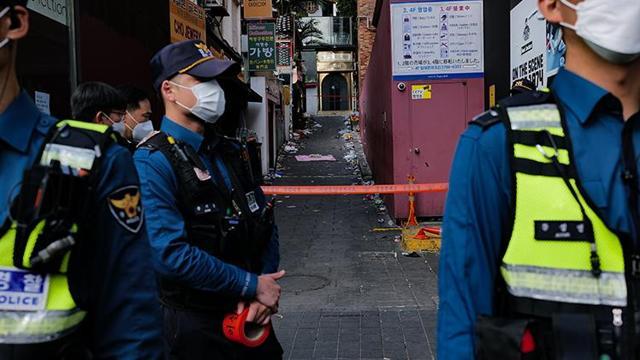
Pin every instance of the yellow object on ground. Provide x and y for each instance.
(413, 240)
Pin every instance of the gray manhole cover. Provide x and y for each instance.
(302, 283)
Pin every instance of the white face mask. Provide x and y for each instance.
(610, 28)
(118, 127)
(141, 130)
(210, 100)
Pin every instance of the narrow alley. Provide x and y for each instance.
(349, 292)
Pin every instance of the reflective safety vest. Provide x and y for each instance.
(560, 250)
(36, 304)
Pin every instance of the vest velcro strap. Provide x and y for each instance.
(545, 309)
(531, 167)
(533, 138)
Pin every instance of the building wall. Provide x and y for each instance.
(257, 119)
(231, 25)
(49, 39)
(496, 46)
(366, 37)
(405, 137)
(312, 100)
(376, 106)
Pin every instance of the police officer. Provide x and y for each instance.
(101, 103)
(74, 259)
(541, 250)
(137, 121)
(211, 228)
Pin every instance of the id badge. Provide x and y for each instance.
(22, 291)
(251, 200)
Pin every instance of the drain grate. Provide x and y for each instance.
(301, 283)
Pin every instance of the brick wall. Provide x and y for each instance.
(366, 37)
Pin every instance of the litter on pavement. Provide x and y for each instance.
(315, 157)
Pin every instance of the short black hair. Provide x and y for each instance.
(132, 96)
(92, 97)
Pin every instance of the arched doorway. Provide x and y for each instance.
(335, 93)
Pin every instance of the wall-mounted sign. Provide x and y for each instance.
(421, 92)
(285, 53)
(53, 9)
(537, 48)
(329, 56)
(437, 40)
(262, 46)
(186, 21)
(258, 9)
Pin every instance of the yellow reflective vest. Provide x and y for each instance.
(560, 249)
(37, 307)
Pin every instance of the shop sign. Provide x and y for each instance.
(437, 39)
(258, 9)
(186, 21)
(53, 9)
(284, 53)
(537, 48)
(262, 46)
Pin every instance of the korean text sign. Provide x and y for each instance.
(186, 21)
(537, 48)
(262, 46)
(258, 9)
(437, 39)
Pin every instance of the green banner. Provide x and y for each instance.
(262, 46)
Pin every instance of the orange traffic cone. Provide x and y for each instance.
(433, 230)
(421, 235)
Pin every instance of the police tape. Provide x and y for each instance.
(236, 328)
(355, 189)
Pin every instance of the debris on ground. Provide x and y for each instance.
(315, 157)
(291, 149)
(411, 254)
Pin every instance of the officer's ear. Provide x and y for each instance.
(99, 118)
(18, 23)
(552, 10)
(167, 91)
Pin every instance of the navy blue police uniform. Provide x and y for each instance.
(210, 225)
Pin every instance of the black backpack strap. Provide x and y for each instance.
(196, 195)
(55, 194)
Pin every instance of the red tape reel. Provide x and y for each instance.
(236, 328)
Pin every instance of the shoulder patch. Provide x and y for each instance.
(125, 206)
(486, 119)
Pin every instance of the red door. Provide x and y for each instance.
(436, 125)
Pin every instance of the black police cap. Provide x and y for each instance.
(190, 57)
(521, 86)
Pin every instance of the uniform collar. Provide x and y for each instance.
(578, 94)
(181, 133)
(18, 122)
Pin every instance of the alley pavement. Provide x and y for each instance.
(349, 292)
